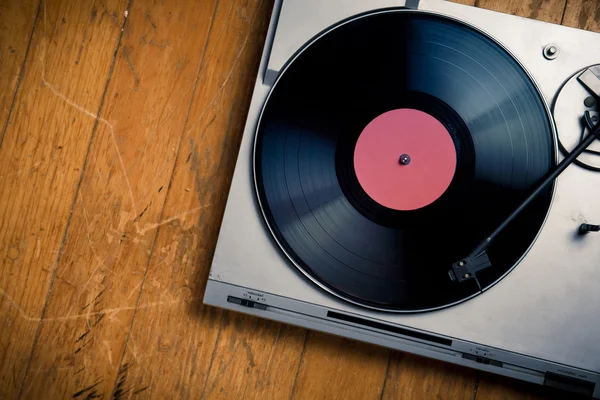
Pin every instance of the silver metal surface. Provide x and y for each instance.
(542, 317)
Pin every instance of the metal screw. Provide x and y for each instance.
(550, 52)
(589, 101)
(466, 276)
(461, 264)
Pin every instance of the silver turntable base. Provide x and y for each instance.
(539, 324)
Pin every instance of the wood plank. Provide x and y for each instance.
(252, 357)
(339, 368)
(107, 248)
(583, 14)
(465, 2)
(16, 29)
(40, 163)
(543, 10)
(413, 377)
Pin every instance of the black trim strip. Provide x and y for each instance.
(389, 328)
(570, 384)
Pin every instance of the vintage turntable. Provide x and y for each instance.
(397, 184)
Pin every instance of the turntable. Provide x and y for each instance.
(424, 176)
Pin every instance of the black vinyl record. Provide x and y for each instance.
(336, 233)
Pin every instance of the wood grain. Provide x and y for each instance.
(583, 14)
(465, 2)
(254, 359)
(107, 237)
(338, 368)
(183, 337)
(413, 377)
(543, 10)
(41, 160)
(16, 25)
(119, 206)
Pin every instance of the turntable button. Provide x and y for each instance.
(235, 300)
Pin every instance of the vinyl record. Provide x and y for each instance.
(389, 147)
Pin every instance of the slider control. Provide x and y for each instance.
(246, 303)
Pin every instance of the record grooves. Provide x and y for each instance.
(306, 178)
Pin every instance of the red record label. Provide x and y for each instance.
(405, 159)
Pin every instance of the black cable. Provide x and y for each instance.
(581, 164)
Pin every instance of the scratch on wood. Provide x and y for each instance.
(140, 390)
(142, 213)
(134, 350)
(96, 300)
(82, 45)
(126, 329)
(61, 327)
(100, 318)
(149, 19)
(134, 289)
(38, 248)
(127, 51)
(120, 390)
(100, 294)
(88, 389)
(248, 353)
(160, 45)
(108, 352)
(27, 317)
(82, 346)
(82, 336)
(110, 129)
(99, 260)
(150, 226)
(14, 173)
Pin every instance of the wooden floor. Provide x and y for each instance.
(120, 122)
